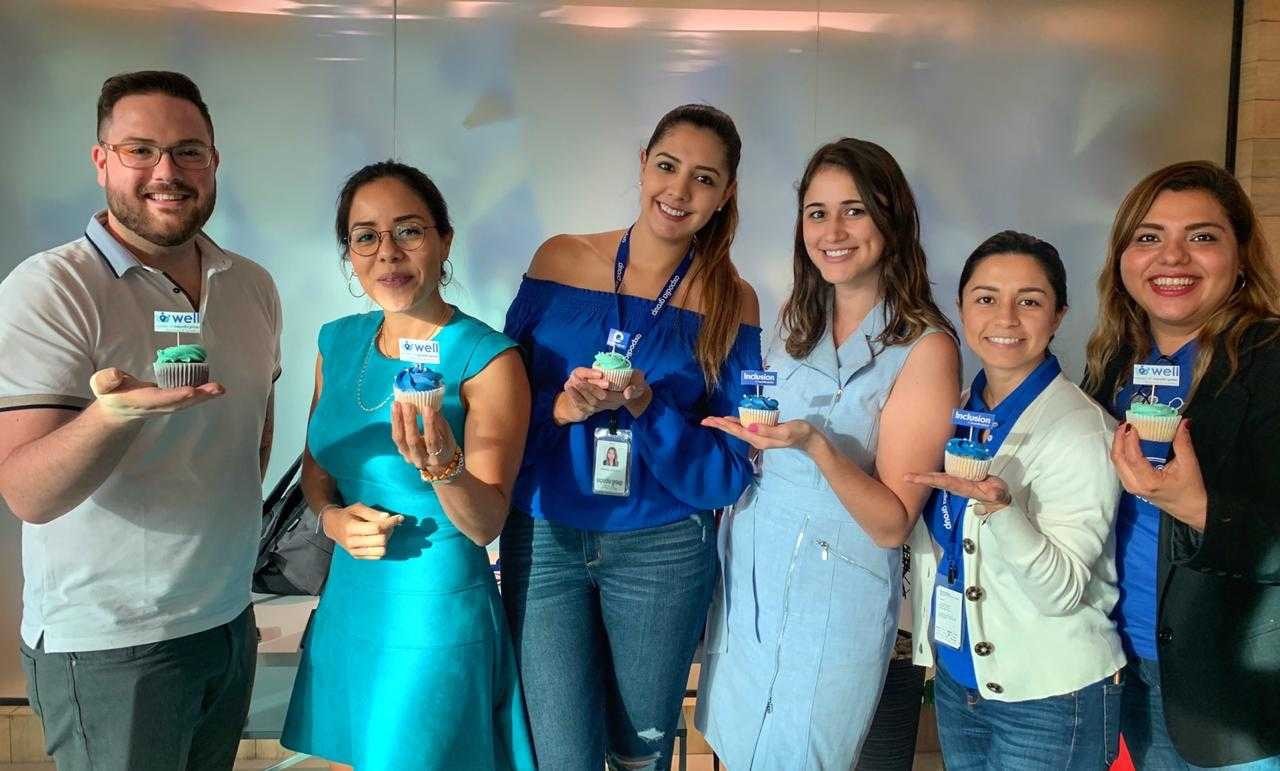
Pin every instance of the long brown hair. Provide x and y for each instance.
(1123, 325)
(904, 277)
(721, 297)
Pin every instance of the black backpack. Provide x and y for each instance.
(292, 557)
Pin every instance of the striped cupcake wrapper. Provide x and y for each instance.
(748, 416)
(618, 377)
(182, 373)
(966, 468)
(421, 399)
(1154, 429)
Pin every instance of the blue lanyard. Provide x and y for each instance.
(953, 531)
(660, 304)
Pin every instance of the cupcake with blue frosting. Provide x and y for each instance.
(420, 386)
(758, 409)
(967, 459)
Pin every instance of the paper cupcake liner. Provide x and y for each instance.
(618, 377)
(1154, 429)
(748, 416)
(966, 468)
(182, 373)
(421, 399)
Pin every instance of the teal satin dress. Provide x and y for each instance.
(407, 663)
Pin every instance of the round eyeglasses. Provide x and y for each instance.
(365, 241)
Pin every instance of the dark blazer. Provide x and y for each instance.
(1218, 616)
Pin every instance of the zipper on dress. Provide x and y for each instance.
(825, 546)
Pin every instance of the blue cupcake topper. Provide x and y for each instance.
(759, 378)
(974, 420)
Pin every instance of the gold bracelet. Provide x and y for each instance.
(452, 470)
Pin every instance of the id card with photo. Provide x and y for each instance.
(611, 462)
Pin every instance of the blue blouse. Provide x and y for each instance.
(1138, 521)
(678, 467)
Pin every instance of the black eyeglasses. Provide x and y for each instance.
(144, 155)
(365, 241)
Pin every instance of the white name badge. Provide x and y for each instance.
(419, 351)
(611, 463)
(948, 609)
(178, 322)
(1156, 374)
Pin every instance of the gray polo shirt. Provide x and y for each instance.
(166, 546)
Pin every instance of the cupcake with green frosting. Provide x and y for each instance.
(181, 365)
(615, 366)
(1155, 422)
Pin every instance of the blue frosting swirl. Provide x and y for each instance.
(419, 378)
(967, 448)
(753, 402)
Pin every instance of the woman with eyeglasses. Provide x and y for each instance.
(407, 663)
(1189, 289)
(607, 571)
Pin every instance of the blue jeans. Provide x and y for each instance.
(1145, 734)
(1074, 732)
(605, 626)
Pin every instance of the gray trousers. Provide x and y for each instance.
(168, 706)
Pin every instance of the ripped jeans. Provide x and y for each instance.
(605, 626)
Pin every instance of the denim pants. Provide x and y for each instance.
(605, 626)
(1073, 732)
(1142, 724)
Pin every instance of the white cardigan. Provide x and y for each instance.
(1044, 564)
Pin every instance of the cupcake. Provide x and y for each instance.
(181, 365)
(758, 409)
(615, 366)
(420, 386)
(1155, 422)
(967, 459)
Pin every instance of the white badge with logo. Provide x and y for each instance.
(419, 351)
(611, 464)
(1156, 374)
(178, 322)
(948, 610)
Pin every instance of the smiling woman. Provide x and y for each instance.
(1189, 284)
(1026, 563)
(412, 508)
(624, 625)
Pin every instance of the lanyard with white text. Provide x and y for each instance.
(659, 305)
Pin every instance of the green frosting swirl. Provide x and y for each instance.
(612, 360)
(181, 354)
(1144, 410)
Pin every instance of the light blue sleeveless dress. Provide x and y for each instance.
(806, 614)
(407, 663)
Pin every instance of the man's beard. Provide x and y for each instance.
(130, 210)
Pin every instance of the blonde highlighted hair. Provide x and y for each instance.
(1123, 327)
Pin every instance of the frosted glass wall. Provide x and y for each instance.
(530, 115)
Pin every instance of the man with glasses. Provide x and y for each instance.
(140, 505)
